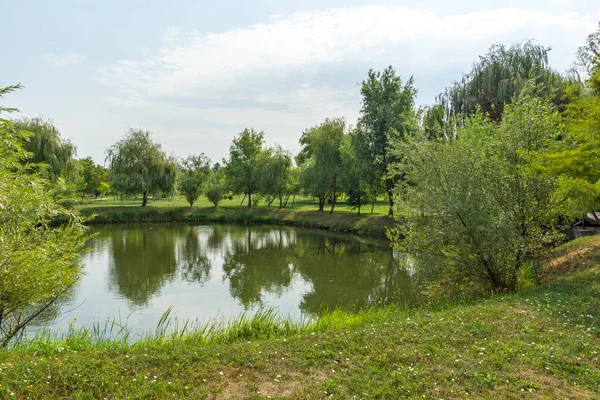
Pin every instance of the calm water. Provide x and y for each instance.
(136, 272)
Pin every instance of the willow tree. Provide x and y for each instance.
(39, 260)
(46, 146)
(588, 57)
(387, 114)
(493, 82)
(138, 165)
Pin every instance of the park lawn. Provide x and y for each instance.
(301, 204)
(542, 342)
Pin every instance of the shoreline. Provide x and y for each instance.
(363, 225)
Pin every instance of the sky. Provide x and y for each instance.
(196, 73)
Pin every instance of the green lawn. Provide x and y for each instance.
(301, 204)
(543, 342)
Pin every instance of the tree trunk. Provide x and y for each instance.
(249, 199)
(243, 198)
(391, 198)
(359, 207)
(280, 202)
(293, 200)
(332, 203)
(373, 204)
(144, 199)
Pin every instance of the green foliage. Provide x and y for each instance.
(386, 116)
(275, 169)
(589, 58)
(39, 260)
(494, 81)
(95, 177)
(46, 147)
(577, 160)
(214, 193)
(196, 172)
(321, 161)
(242, 170)
(354, 179)
(476, 208)
(138, 165)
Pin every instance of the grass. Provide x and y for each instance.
(543, 342)
(304, 213)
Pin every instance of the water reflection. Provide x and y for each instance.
(259, 261)
(315, 270)
(142, 260)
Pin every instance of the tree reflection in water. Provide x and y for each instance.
(341, 271)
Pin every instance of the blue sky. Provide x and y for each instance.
(197, 72)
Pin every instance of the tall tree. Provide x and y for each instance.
(138, 165)
(196, 172)
(242, 170)
(321, 160)
(387, 114)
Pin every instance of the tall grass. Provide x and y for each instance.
(265, 323)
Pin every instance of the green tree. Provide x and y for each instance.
(321, 160)
(494, 81)
(577, 160)
(138, 165)
(196, 172)
(39, 260)
(93, 176)
(46, 147)
(577, 157)
(387, 115)
(242, 170)
(588, 57)
(476, 208)
(354, 179)
(275, 170)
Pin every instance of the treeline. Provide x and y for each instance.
(337, 161)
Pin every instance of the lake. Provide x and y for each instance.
(134, 273)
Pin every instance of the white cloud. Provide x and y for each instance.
(236, 62)
(61, 60)
(294, 70)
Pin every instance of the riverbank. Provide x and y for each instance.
(543, 342)
(341, 221)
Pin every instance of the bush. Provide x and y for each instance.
(215, 194)
(475, 207)
(39, 259)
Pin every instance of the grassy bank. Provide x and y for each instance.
(543, 342)
(303, 214)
